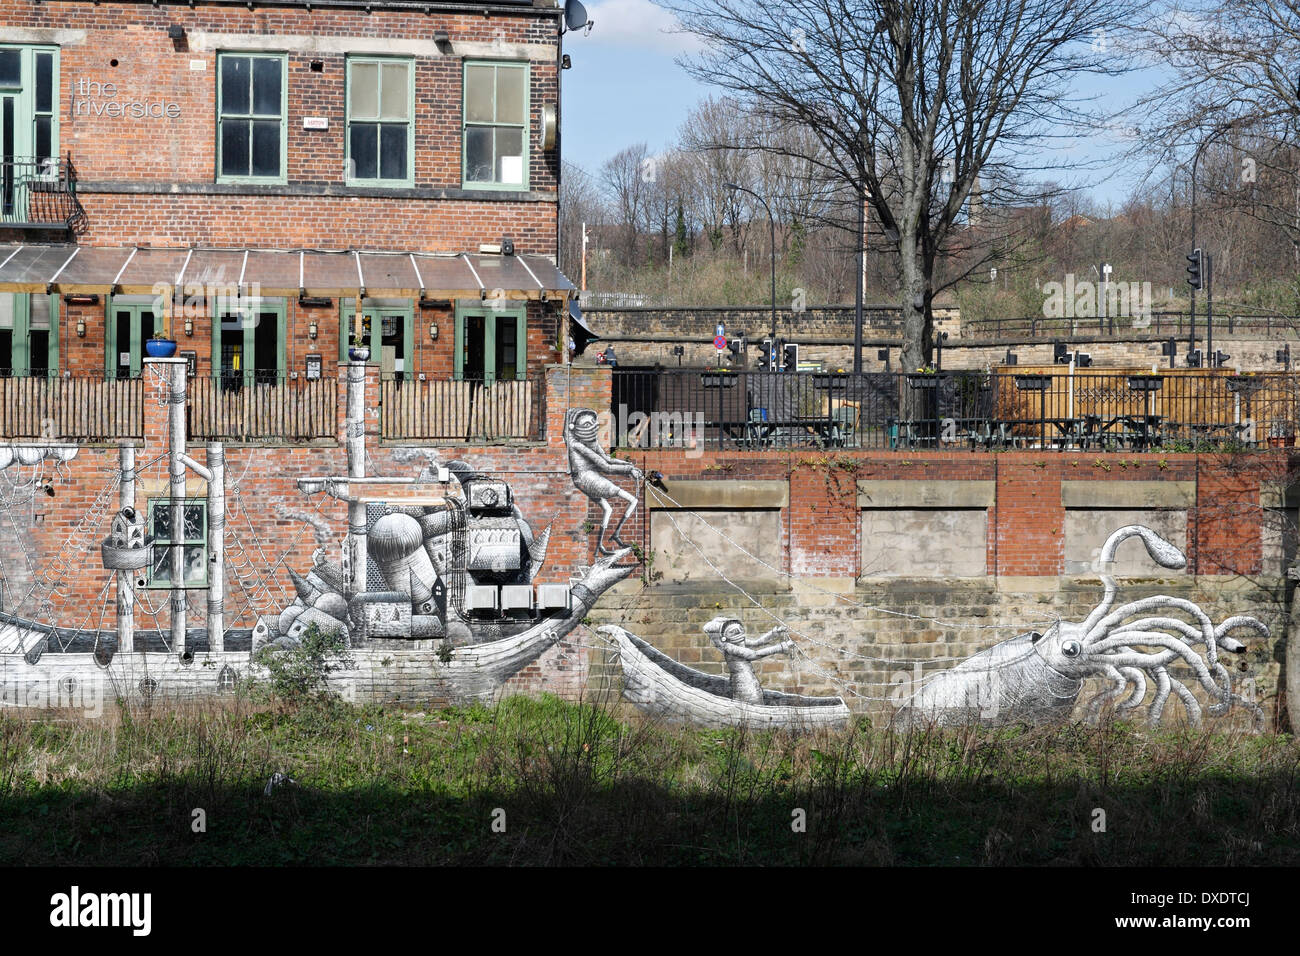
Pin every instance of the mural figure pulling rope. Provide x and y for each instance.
(739, 651)
(590, 465)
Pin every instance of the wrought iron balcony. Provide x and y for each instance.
(40, 194)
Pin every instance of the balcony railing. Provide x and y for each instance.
(40, 194)
(73, 409)
(1049, 408)
(257, 407)
(465, 410)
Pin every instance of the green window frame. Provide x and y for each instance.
(194, 541)
(495, 110)
(380, 121)
(250, 114)
(29, 103)
(492, 316)
(129, 322)
(20, 317)
(374, 313)
(249, 360)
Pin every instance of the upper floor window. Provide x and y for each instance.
(250, 117)
(380, 120)
(496, 125)
(29, 106)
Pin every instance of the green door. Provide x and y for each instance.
(29, 334)
(491, 344)
(131, 322)
(248, 348)
(28, 125)
(387, 329)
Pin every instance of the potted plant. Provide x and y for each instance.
(160, 346)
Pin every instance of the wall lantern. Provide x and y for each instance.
(81, 328)
(312, 330)
(176, 32)
(433, 332)
(189, 326)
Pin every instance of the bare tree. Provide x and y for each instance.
(910, 100)
(579, 204)
(625, 177)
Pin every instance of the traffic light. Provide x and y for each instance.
(1219, 358)
(1194, 358)
(790, 357)
(1082, 360)
(769, 354)
(737, 348)
(1059, 354)
(1197, 260)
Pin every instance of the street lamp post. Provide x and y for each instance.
(772, 224)
(1196, 161)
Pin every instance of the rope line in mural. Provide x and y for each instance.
(950, 625)
(848, 686)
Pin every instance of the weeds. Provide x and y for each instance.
(585, 783)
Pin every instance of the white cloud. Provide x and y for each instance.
(639, 24)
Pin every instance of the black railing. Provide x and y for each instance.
(1050, 408)
(40, 194)
(461, 410)
(262, 407)
(71, 409)
(1156, 324)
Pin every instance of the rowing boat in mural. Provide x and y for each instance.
(659, 685)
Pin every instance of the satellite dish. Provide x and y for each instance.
(575, 15)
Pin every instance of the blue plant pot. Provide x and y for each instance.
(359, 353)
(159, 348)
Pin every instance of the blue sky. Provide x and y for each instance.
(625, 87)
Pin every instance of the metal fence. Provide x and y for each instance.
(262, 408)
(40, 193)
(1166, 324)
(71, 408)
(461, 410)
(1048, 408)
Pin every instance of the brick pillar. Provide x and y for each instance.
(823, 521)
(576, 386)
(1226, 522)
(1029, 516)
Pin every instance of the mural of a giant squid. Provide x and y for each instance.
(1135, 649)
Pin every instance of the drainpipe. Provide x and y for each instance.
(217, 547)
(125, 591)
(176, 373)
(356, 447)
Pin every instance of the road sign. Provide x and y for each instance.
(720, 342)
(720, 330)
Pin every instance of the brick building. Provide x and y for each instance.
(268, 164)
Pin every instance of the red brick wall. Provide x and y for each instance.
(127, 44)
(1026, 523)
(265, 508)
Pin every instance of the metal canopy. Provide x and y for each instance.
(70, 269)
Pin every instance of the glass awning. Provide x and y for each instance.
(125, 270)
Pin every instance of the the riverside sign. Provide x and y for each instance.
(93, 98)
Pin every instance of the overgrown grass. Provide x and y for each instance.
(579, 785)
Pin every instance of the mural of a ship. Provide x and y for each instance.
(656, 684)
(436, 588)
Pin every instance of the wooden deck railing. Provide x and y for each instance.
(460, 410)
(275, 410)
(73, 409)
